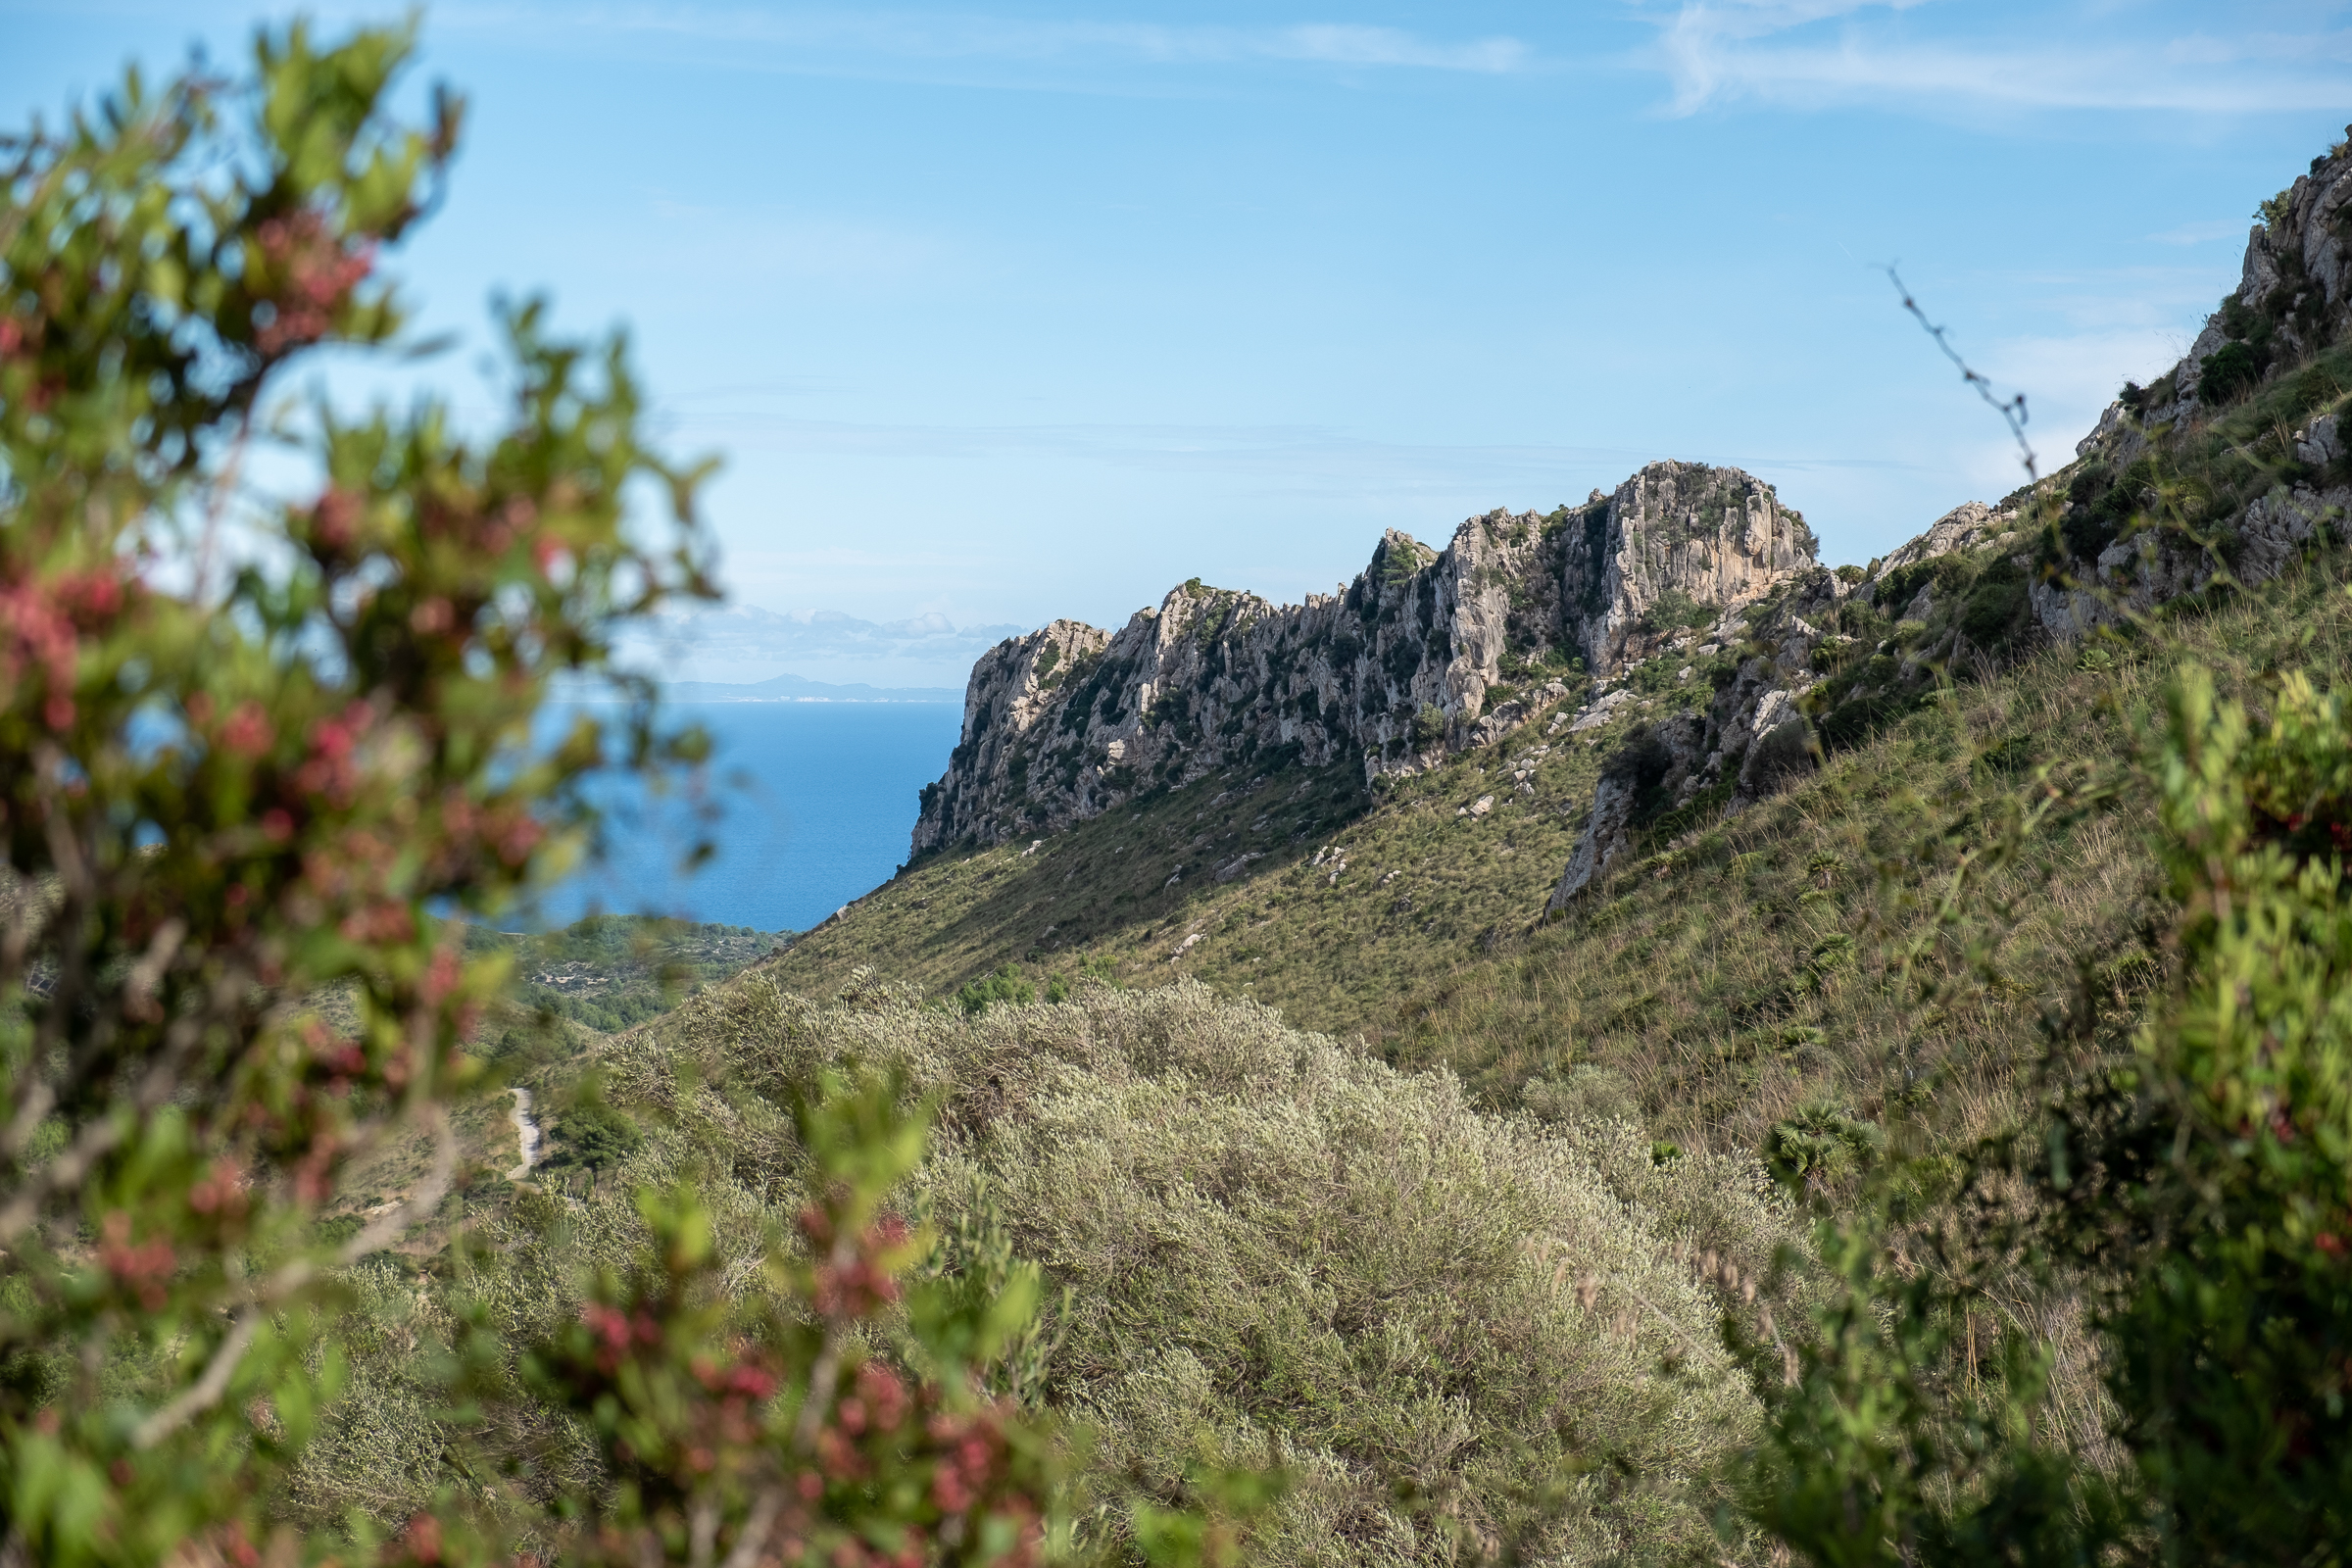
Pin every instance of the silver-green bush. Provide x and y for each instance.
(1450, 1330)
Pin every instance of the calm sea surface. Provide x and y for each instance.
(815, 802)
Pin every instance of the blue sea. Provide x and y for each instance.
(815, 802)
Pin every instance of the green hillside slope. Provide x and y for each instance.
(1735, 973)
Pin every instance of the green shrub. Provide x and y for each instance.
(1997, 605)
(1006, 985)
(1677, 611)
(1786, 752)
(2187, 1174)
(2228, 372)
(2216, 1160)
(1269, 1244)
(595, 1135)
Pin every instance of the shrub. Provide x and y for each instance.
(1786, 752)
(240, 794)
(1677, 611)
(1585, 1092)
(1995, 605)
(595, 1135)
(2216, 1163)
(1269, 1244)
(2228, 371)
(2196, 1156)
(1006, 985)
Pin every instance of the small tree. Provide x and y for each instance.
(253, 750)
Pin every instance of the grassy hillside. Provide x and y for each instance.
(1350, 901)
(1712, 988)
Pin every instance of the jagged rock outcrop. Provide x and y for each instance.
(1426, 654)
(1746, 744)
(1964, 527)
(1678, 531)
(2233, 460)
(2293, 301)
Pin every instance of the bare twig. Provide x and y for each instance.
(753, 1542)
(2012, 411)
(207, 1391)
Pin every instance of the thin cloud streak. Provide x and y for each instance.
(1714, 52)
(1269, 451)
(938, 36)
(2203, 233)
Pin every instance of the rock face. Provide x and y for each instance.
(1746, 744)
(1426, 654)
(1679, 532)
(2293, 300)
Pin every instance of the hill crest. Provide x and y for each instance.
(1427, 654)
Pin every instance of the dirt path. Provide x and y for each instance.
(526, 1133)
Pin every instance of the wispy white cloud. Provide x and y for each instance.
(1280, 458)
(942, 37)
(2203, 233)
(1816, 53)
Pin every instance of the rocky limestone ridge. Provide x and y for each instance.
(1425, 655)
(1976, 589)
(1757, 734)
(2293, 301)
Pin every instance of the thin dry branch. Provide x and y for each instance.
(207, 1391)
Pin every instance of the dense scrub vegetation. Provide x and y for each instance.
(1948, 1160)
(1443, 1327)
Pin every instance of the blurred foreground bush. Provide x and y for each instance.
(254, 754)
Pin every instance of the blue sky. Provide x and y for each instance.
(1029, 310)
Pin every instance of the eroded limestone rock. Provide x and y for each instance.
(1394, 673)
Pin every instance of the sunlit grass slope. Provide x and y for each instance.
(1741, 970)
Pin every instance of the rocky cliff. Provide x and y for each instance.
(2265, 376)
(1425, 654)
(2232, 462)
(1690, 603)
